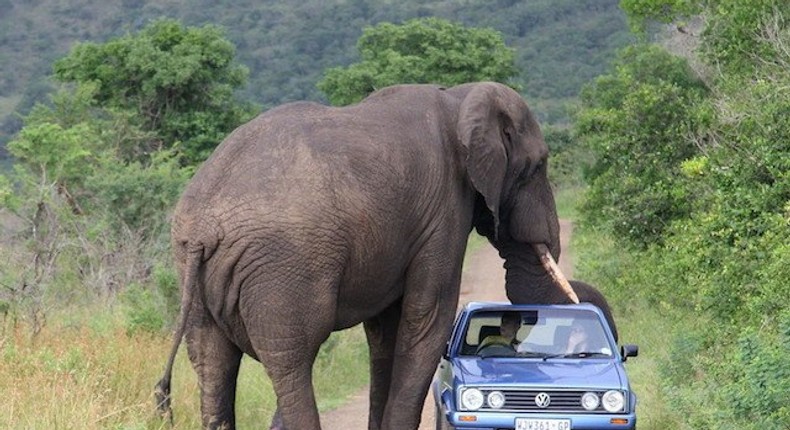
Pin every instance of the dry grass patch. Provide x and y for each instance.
(86, 378)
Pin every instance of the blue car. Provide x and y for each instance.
(533, 367)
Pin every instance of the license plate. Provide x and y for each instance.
(533, 424)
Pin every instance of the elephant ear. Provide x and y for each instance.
(480, 133)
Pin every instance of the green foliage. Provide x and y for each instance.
(742, 34)
(738, 33)
(6, 192)
(143, 310)
(761, 379)
(55, 153)
(76, 149)
(93, 205)
(566, 157)
(135, 194)
(721, 264)
(179, 82)
(166, 283)
(664, 11)
(428, 50)
(637, 121)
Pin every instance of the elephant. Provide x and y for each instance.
(310, 219)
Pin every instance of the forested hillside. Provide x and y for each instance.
(287, 45)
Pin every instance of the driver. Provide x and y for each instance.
(511, 322)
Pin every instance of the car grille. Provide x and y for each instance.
(560, 401)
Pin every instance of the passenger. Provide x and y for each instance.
(577, 340)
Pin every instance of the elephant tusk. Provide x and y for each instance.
(554, 271)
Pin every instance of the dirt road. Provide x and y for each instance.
(483, 280)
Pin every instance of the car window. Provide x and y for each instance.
(479, 324)
(543, 332)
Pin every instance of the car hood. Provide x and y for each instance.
(565, 373)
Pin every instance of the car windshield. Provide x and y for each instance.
(544, 333)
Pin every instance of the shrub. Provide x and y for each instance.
(143, 310)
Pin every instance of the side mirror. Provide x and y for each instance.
(446, 353)
(629, 350)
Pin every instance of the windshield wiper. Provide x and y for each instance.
(584, 354)
(531, 354)
(546, 356)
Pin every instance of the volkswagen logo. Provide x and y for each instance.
(543, 400)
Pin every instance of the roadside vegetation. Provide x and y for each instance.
(686, 221)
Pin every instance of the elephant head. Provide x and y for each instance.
(507, 162)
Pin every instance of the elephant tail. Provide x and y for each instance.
(162, 388)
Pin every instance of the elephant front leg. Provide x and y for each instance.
(216, 361)
(277, 421)
(381, 333)
(427, 313)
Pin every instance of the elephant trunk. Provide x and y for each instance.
(548, 263)
(532, 276)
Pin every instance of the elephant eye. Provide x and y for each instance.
(523, 178)
(527, 173)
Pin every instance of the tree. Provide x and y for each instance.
(638, 122)
(176, 82)
(737, 33)
(641, 12)
(428, 50)
(99, 167)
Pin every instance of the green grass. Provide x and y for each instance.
(653, 332)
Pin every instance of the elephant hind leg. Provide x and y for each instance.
(216, 361)
(289, 366)
(286, 332)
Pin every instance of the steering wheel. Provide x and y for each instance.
(497, 349)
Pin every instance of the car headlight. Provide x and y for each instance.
(590, 401)
(472, 399)
(495, 399)
(613, 401)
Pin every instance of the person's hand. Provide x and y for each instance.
(576, 338)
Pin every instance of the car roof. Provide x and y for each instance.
(507, 306)
(496, 306)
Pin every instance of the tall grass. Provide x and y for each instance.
(94, 375)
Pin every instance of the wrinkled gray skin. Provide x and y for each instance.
(310, 219)
(589, 294)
